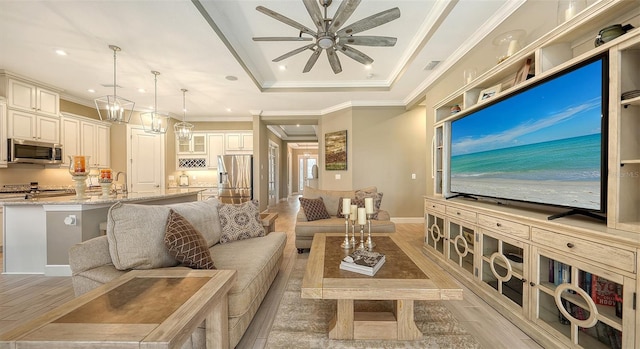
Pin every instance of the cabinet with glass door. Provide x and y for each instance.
(461, 242)
(434, 228)
(503, 269)
(584, 305)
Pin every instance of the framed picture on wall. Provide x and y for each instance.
(335, 151)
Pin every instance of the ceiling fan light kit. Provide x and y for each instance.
(329, 35)
(114, 108)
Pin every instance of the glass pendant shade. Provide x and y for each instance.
(154, 122)
(183, 129)
(114, 108)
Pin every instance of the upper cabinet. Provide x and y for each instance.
(3, 133)
(196, 145)
(85, 136)
(28, 97)
(31, 126)
(239, 143)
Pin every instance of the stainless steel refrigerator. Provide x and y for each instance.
(235, 178)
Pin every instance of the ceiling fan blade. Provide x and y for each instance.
(355, 54)
(369, 40)
(370, 22)
(279, 38)
(314, 12)
(344, 11)
(312, 60)
(294, 52)
(334, 61)
(286, 20)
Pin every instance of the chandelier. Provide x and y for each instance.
(183, 129)
(154, 122)
(114, 108)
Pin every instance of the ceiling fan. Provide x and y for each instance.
(329, 36)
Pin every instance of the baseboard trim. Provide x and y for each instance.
(57, 270)
(407, 219)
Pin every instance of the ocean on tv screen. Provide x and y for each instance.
(541, 145)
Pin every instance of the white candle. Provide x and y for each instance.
(346, 206)
(368, 205)
(362, 216)
(354, 213)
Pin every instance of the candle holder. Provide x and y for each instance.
(79, 170)
(370, 244)
(361, 246)
(346, 244)
(105, 179)
(353, 233)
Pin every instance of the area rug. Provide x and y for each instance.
(303, 323)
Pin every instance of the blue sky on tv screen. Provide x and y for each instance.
(564, 107)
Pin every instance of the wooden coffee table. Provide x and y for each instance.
(406, 276)
(141, 309)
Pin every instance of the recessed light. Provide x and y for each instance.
(141, 90)
(297, 125)
(61, 52)
(231, 78)
(368, 66)
(228, 110)
(282, 67)
(91, 90)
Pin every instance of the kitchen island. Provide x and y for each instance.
(38, 232)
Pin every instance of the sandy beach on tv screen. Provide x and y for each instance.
(584, 194)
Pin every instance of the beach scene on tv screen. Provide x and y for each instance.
(543, 145)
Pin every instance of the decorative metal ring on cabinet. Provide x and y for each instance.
(593, 311)
(436, 235)
(456, 243)
(492, 262)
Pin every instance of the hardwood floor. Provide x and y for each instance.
(23, 297)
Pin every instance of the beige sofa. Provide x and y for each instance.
(305, 229)
(256, 260)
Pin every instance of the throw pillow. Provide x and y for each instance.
(186, 244)
(314, 209)
(240, 221)
(136, 236)
(377, 200)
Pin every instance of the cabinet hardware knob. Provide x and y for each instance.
(458, 213)
(524, 281)
(498, 224)
(569, 245)
(532, 284)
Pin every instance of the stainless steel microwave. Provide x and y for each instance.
(32, 152)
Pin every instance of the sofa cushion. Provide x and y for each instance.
(314, 209)
(329, 197)
(186, 244)
(203, 215)
(136, 236)
(240, 221)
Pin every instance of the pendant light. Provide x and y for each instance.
(113, 108)
(154, 122)
(183, 129)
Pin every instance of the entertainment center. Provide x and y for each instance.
(497, 220)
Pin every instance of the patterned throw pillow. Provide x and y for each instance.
(377, 200)
(240, 221)
(186, 244)
(314, 209)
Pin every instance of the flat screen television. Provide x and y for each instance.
(544, 144)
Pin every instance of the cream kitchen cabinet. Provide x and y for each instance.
(95, 142)
(31, 126)
(196, 145)
(3, 133)
(29, 97)
(69, 137)
(215, 142)
(239, 143)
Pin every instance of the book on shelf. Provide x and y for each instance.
(363, 262)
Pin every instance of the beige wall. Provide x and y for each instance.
(338, 121)
(388, 147)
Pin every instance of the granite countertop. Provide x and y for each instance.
(97, 199)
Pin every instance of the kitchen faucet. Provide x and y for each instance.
(124, 189)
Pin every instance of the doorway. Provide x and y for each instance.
(145, 168)
(305, 171)
(273, 174)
